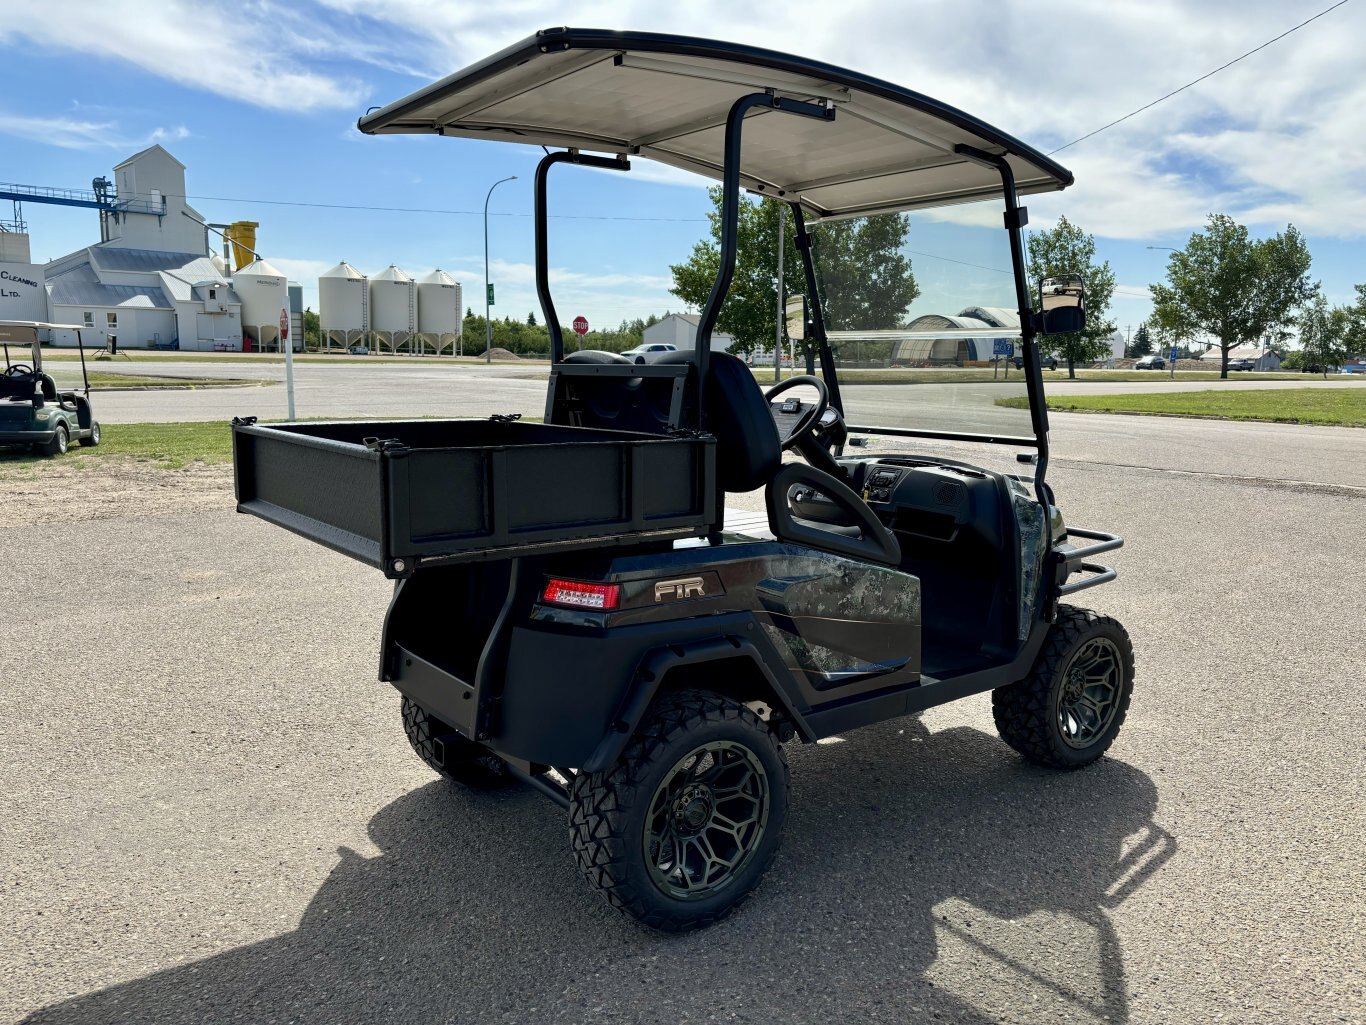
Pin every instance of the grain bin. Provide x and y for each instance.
(344, 306)
(439, 316)
(264, 292)
(393, 308)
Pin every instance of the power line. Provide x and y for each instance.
(1197, 81)
(434, 210)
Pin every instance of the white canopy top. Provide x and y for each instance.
(667, 97)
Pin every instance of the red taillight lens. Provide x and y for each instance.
(581, 595)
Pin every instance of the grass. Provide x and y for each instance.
(1344, 407)
(103, 379)
(982, 375)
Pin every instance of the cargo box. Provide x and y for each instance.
(398, 495)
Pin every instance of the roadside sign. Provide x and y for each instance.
(581, 325)
(284, 324)
(1003, 347)
(1173, 353)
(491, 302)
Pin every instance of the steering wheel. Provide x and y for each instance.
(794, 419)
(18, 370)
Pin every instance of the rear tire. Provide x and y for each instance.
(456, 757)
(58, 445)
(93, 438)
(679, 832)
(1067, 712)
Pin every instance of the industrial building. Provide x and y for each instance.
(680, 329)
(390, 309)
(153, 280)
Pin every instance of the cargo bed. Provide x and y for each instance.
(398, 495)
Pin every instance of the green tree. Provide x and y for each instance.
(864, 273)
(1355, 341)
(1235, 289)
(1323, 333)
(312, 329)
(531, 319)
(1063, 251)
(1142, 343)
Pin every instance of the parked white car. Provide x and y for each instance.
(649, 352)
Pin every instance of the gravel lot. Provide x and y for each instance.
(211, 813)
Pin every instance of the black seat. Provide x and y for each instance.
(749, 456)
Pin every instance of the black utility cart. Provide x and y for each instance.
(617, 646)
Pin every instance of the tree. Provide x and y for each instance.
(312, 329)
(1066, 251)
(1323, 333)
(864, 274)
(531, 319)
(1142, 343)
(1233, 288)
(1355, 340)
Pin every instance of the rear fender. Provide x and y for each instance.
(653, 672)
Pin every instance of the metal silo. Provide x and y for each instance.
(393, 308)
(439, 317)
(344, 306)
(264, 292)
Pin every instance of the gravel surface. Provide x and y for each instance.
(212, 815)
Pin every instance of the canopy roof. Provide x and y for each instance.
(666, 98)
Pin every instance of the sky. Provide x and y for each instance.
(260, 98)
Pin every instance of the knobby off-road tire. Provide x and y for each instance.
(452, 755)
(682, 828)
(1067, 712)
(58, 445)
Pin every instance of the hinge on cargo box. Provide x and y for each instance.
(505, 418)
(243, 421)
(391, 445)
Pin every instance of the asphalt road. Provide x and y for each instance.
(211, 813)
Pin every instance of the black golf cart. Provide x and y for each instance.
(618, 644)
(33, 412)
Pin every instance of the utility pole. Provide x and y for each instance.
(488, 324)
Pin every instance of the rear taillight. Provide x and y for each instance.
(581, 595)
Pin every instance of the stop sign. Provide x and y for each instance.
(581, 325)
(284, 323)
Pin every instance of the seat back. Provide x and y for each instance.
(635, 401)
(748, 452)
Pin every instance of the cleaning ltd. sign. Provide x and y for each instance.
(22, 295)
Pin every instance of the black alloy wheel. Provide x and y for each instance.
(680, 830)
(1067, 712)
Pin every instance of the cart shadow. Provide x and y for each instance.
(923, 875)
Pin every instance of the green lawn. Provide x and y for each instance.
(1344, 407)
(983, 375)
(104, 379)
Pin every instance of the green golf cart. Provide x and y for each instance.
(33, 413)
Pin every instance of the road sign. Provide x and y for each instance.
(284, 324)
(1173, 353)
(491, 302)
(1003, 347)
(581, 325)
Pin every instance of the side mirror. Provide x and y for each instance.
(1063, 305)
(794, 312)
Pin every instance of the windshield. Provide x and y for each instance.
(922, 316)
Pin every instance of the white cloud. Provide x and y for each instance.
(248, 52)
(75, 133)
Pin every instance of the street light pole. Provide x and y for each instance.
(488, 324)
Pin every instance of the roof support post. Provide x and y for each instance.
(730, 211)
(1016, 217)
(572, 156)
(817, 307)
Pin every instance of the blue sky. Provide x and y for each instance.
(259, 100)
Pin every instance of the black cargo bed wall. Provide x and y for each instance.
(445, 615)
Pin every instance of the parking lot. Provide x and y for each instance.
(212, 814)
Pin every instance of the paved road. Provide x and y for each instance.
(211, 813)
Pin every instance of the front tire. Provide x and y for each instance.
(1067, 712)
(679, 832)
(456, 757)
(58, 445)
(93, 438)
